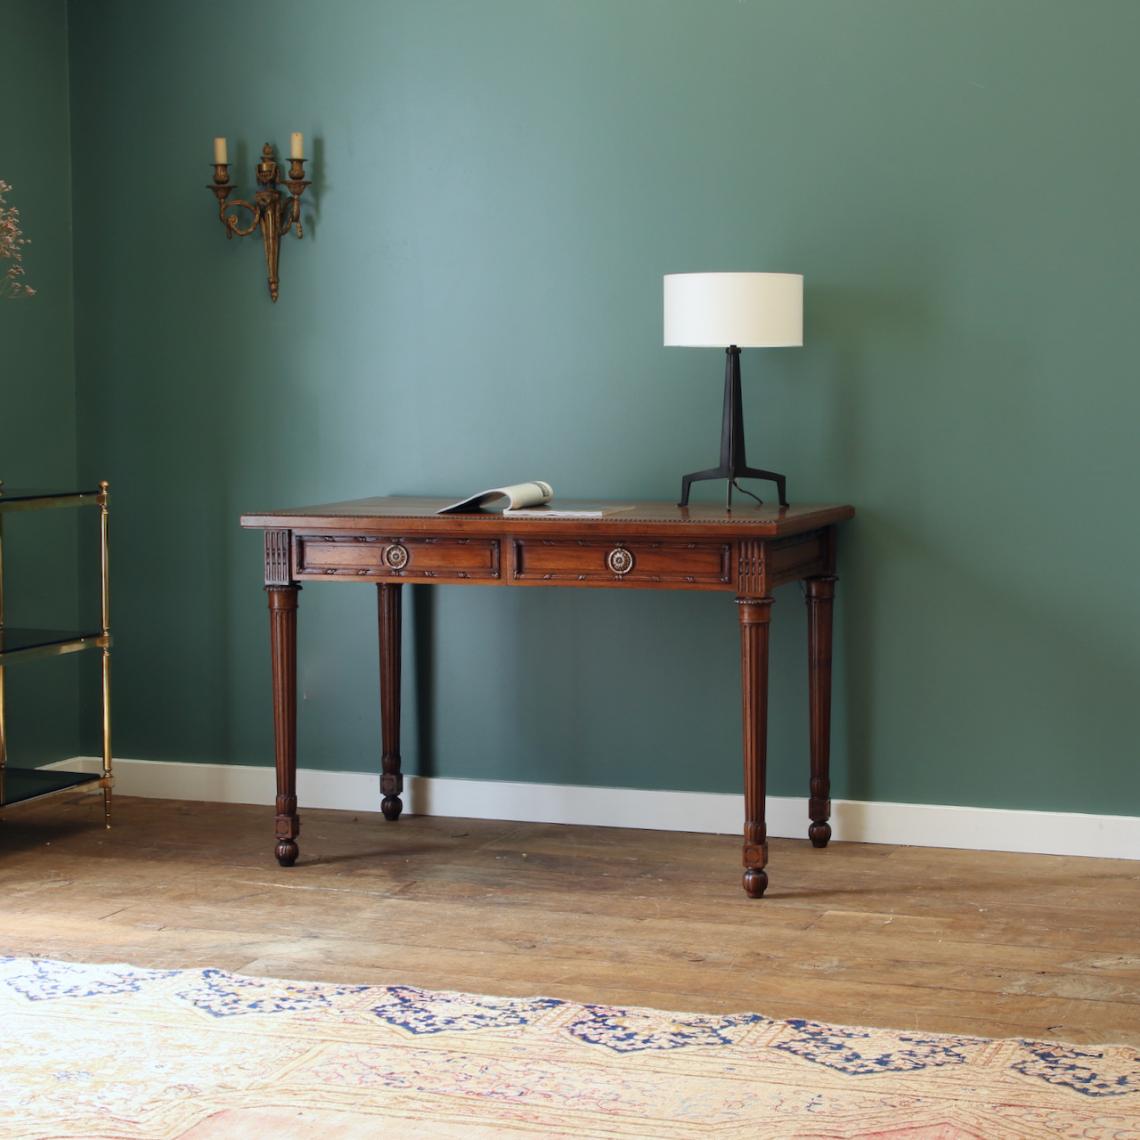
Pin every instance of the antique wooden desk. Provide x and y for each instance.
(747, 552)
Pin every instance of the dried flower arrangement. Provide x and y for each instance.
(12, 241)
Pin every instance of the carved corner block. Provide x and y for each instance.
(755, 845)
(752, 570)
(279, 558)
(288, 826)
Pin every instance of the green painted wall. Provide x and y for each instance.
(37, 373)
(500, 186)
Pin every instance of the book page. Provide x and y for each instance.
(517, 495)
(569, 509)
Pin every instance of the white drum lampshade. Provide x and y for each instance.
(750, 310)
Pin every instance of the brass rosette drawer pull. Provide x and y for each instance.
(620, 561)
(396, 556)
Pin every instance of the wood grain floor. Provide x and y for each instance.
(954, 941)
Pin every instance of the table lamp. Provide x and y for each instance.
(734, 311)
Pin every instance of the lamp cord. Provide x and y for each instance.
(746, 491)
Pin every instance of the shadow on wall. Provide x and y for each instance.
(1062, 682)
(1003, 658)
(852, 320)
(423, 633)
(315, 193)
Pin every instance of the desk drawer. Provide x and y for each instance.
(374, 556)
(609, 562)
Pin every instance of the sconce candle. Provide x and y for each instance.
(296, 148)
(270, 210)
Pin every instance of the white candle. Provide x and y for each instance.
(220, 155)
(296, 148)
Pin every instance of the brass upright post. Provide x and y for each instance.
(105, 582)
(3, 733)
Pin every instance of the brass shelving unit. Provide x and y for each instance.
(22, 644)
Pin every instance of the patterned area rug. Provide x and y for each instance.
(115, 1051)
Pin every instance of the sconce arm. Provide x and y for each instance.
(296, 184)
(294, 208)
(230, 221)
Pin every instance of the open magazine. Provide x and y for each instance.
(531, 500)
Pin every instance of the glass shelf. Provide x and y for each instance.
(19, 784)
(39, 498)
(18, 643)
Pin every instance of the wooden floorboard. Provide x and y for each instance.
(917, 938)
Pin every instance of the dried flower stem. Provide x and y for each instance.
(12, 242)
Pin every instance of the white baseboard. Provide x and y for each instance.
(917, 825)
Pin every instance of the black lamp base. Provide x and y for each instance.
(733, 463)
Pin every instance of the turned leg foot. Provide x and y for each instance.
(755, 882)
(391, 785)
(288, 828)
(819, 833)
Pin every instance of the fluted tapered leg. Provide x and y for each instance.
(755, 615)
(283, 652)
(820, 593)
(391, 778)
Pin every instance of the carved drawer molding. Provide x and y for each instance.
(636, 562)
(401, 557)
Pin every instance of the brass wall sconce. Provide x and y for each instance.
(270, 209)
